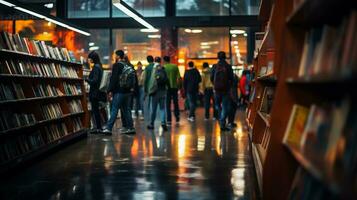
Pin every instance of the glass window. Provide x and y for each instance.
(88, 8)
(147, 8)
(245, 7)
(202, 7)
(239, 45)
(137, 45)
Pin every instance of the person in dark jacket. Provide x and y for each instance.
(94, 79)
(222, 78)
(234, 102)
(121, 98)
(191, 81)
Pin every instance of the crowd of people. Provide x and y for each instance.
(153, 90)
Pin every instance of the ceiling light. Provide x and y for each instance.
(91, 44)
(94, 48)
(154, 36)
(205, 47)
(49, 5)
(237, 31)
(234, 35)
(235, 42)
(7, 3)
(236, 47)
(146, 30)
(196, 31)
(187, 30)
(209, 43)
(245, 34)
(181, 60)
(121, 5)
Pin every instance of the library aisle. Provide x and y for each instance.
(194, 160)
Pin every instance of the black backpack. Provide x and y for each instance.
(127, 78)
(221, 78)
(161, 76)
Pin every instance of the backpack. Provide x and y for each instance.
(127, 78)
(161, 76)
(221, 80)
(104, 83)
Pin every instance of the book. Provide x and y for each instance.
(296, 125)
(267, 100)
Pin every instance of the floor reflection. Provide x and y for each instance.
(193, 161)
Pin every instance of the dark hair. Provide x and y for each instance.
(120, 53)
(221, 55)
(166, 58)
(205, 65)
(158, 59)
(150, 59)
(190, 64)
(95, 57)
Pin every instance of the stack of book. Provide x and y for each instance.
(77, 122)
(51, 111)
(43, 90)
(9, 120)
(54, 132)
(75, 106)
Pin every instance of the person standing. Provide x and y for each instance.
(148, 81)
(207, 91)
(244, 88)
(222, 78)
(234, 102)
(121, 86)
(191, 81)
(139, 98)
(174, 77)
(95, 95)
(157, 92)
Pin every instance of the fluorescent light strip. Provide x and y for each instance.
(6, 3)
(133, 15)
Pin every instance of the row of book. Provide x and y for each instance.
(75, 106)
(9, 119)
(72, 89)
(11, 91)
(15, 147)
(14, 42)
(330, 50)
(51, 111)
(77, 124)
(26, 67)
(267, 100)
(326, 133)
(46, 90)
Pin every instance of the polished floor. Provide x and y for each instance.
(190, 161)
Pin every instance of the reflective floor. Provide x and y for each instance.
(192, 161)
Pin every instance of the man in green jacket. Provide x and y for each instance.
(173, 74)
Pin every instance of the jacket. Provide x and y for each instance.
(94, 79)
(191, 81)
(114, 87)
(229, 70)
(155, 89)
(147, 77)
(173, 74)
(206, 80)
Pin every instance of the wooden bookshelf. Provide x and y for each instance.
(36, 114)
(293, 26)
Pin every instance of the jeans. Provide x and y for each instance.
(222, 106)
(192, 100)
(96, 113)
(139, 100)
(208, 96)
(158, 101)
(232, 112)
(120, 101)
(172, 95)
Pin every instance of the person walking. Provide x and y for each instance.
(222, 78)
(191, 81)
(148, 81)
(206, 88)
(139, 98)
(234, 102)
(95, 95)
(174, 77)
(157, 92)
(121, 86)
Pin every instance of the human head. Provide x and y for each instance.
(205, 65)
(157, 59)
(139, 64)
(166, 59)
(191, 64)
(221, 55)
(150, 59)
(94, 58)
(119, 54)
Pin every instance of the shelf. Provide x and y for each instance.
(265, 118)
(38, 123)
(268, 78)
(15, 53)
(36, 99)
(305, 14)
(42, 150)
(324, 79)
(331, 180)
(264, 10)
(258, 166)
(37, 77)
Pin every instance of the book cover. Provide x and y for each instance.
(296, 125)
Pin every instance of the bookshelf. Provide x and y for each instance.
(310, 130)
(42, 100)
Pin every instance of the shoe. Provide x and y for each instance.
(141, 118)
(225, 129)
(129, 131)
(123, 130)
(150, 127)
(191, 119)
(107, 132)
(164, 127)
